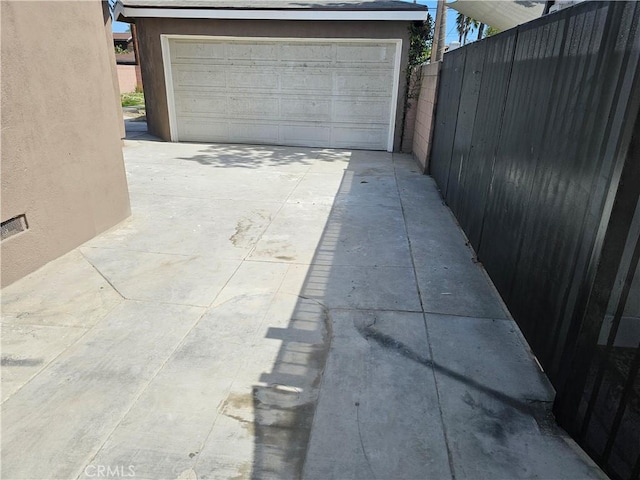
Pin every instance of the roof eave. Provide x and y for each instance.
(127, 14)
(502, 15)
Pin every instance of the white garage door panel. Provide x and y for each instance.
(380, 55)
(317, 109)
(289, 92)
(191, 129)
(318, 135)
(207, 77)
(283, 81)
(193, 105)
(249, 132)
(308, 80)
(252, 107)
(302, 108)
(305, 135)
(194, 51)
(361, 111)
(192, 76)
(255, 51)
(358, 83)
(318, 53)
(359, 137)
(305, 109)
(250, 78)
(195, 129)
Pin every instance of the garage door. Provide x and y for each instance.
(315, 93)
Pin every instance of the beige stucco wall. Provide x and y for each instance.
(150, 29)
(128, 78)
(426, 104)
(61, 144)
(106, 20)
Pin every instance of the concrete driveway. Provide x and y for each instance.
(273, 312)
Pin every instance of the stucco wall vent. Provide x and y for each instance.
(14, 226)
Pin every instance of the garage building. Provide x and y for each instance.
(308, 73)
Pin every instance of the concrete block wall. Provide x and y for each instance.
(425, 112)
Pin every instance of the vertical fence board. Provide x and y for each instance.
(569, 164)
(532, 129)
(469, 94)
(478, 170)
(444, 131)
(616, 86)
(527, 103)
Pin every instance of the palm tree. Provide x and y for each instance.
(464, 26)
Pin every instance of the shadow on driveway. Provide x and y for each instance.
(288, 313)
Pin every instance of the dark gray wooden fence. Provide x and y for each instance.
(533, 152)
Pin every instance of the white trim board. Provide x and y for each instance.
(168, 82)
(232, 14)
(394, 96)
(166, 60)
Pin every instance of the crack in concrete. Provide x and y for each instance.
(364, 450)
(415, 274)
(103, 276)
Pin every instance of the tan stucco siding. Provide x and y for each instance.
(128, 79)
(150, 29)
(61, 145)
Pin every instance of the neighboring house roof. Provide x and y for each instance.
(123, 37)
(272, 9)
(125, 41)
(502, 14)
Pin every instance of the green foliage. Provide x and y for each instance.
(119, 50)
(133, 99)
(465, 25)
(490, 31)
(420, 41)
